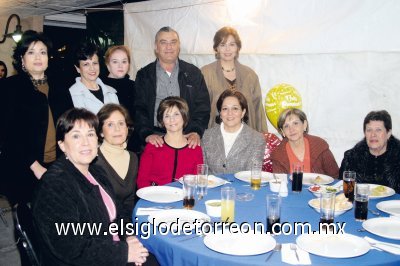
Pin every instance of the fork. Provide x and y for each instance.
(277, 247)
(294, 247)
(376, 213)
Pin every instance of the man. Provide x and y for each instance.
(170, 76)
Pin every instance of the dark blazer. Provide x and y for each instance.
(192, 88)
(24, 116)
(65, 196)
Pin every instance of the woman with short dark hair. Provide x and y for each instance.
(76, 191)
(32, 103)
(232, 146)
(120, 165)
(376, 158)
(165, 164)
(89, 91)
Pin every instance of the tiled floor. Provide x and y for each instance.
(9, 255)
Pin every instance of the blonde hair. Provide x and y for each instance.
(112, 49)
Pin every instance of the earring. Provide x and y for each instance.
(23, 67)
(66, 156)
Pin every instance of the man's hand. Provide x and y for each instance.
(156, 140)
(193, 139)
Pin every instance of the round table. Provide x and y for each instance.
(170, 250)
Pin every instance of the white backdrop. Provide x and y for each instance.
(342, 56)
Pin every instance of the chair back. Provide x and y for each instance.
(272, 141)
(25, 232)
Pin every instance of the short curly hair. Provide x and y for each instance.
(29, 37)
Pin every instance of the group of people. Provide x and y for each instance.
(79, 149)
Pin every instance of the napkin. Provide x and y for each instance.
(147, 211)
(289, 256)
(385, 246)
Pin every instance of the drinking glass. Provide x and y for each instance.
(361, 198)
(327, 209)
(202, 180)
(273, 213)
(228, 195)
(349, 180)
(297, 177)
(255, 178)
(189, 191)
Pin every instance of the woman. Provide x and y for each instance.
(375, 159)
(120, 165)
(118, 59)
(232, 146)
(3, 70)
(32, 104)
(165, 164)
(298, 146)
(228, 73)
(74, 191)
(89, 91)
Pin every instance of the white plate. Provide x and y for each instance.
(239, 244)
(333, 245)
(318, 189)
(245, 176)
(160, 194)
(213, 181)
(383, 226)
(390, 206)
(387, 193)
(174, 219)
(339, 209)
(312, 178)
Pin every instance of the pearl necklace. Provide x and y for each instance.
(228, 70)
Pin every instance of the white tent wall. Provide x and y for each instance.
(342, 56)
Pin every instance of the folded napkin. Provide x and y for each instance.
(147, 211)
(289, 255)
(385, 246)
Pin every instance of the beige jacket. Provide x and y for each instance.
(246, 82)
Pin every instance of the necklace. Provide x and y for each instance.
(228, 70)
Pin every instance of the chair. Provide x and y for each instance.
(25, 232)
(272, 141)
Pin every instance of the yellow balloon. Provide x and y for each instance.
(279, 98)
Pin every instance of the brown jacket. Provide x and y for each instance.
(246, 82)
(322, 160)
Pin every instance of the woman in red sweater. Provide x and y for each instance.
(298, 146)
(165, 164)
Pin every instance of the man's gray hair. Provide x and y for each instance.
(165, 29)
